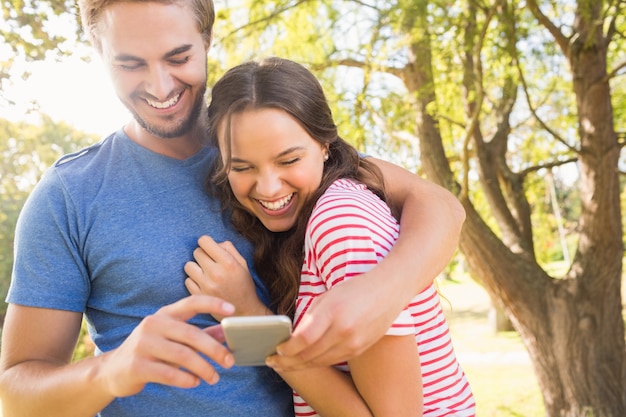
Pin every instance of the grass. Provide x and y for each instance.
(496, 364)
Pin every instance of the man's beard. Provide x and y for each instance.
(180, 129)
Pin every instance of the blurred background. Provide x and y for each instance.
(516, 106)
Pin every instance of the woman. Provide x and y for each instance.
(316, 213)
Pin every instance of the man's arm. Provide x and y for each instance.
(348, 319)
(37, 378)
(37, 345)
(430, 226)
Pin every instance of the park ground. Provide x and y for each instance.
(496, 364)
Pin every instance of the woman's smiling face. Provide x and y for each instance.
(275, 165)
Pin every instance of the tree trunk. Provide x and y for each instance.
(573, 335)
(572, 327)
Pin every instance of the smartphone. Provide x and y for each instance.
(253, 338)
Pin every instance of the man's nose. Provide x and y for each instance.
(160, 83)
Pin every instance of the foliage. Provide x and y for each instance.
(84, 347)
(26, 151)
(358, 51)
(35, 30)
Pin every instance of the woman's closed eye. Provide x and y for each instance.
(290, 161)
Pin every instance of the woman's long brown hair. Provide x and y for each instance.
(281, 84)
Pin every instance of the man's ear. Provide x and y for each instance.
(209, 43)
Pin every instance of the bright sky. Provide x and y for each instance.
(73, 91)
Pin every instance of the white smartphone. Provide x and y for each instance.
(253, 338)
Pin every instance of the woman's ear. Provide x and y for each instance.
(326, 152)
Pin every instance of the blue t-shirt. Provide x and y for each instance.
(107, 232)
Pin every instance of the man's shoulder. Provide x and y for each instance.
(86, 154)
(81, 172)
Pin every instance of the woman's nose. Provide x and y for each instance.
(268, 184)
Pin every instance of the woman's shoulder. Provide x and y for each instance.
(349, 202)
(349, 194)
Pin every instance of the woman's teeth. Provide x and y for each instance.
(276, 205)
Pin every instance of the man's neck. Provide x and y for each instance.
(181, 147)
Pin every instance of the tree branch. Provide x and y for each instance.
(615, 72)
(612, 29)
(534, 112)
(277, 12)
(546, 165)
(561, 40)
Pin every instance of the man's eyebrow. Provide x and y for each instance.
(126, 58)
(176, 51)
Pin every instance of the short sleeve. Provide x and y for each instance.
(48, 270)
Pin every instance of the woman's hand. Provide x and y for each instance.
(221, 271)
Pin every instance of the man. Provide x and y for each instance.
(108, 230)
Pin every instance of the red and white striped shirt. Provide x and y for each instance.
(349, 232)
